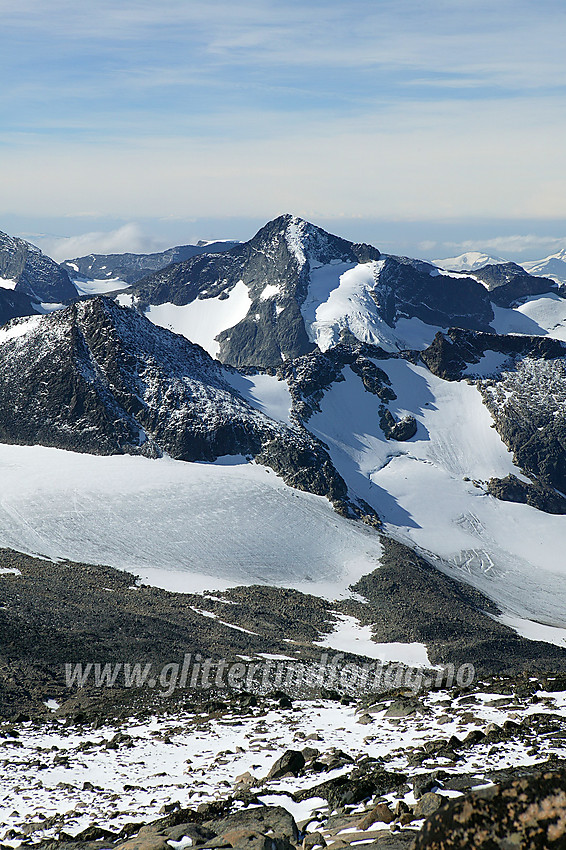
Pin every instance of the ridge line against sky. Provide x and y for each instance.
(180, 118)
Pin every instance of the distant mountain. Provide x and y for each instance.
(132, 267)
(508, 283)
(293, 286)
(553, 267)
(470, 261)
(27, 271)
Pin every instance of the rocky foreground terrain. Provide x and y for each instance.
(251, 752)
(476, 766)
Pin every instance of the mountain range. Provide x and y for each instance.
(306, 412)
(131, 267)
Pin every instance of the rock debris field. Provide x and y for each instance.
(268, 773)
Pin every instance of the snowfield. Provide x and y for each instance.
(181, 526)
(99, 287)
(540, 315)
(350, 636)
(204, 318)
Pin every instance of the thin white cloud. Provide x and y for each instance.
(128, 238)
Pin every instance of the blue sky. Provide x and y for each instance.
(418, 126)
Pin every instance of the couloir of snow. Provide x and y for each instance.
(512, 552)
(182, 526)
(339, 299)
(203, 319)
(541, 315)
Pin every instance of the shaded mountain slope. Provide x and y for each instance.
(31, 273)
(132, 267)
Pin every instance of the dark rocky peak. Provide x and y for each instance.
(307, 243)
(508, 283)
(33, 273)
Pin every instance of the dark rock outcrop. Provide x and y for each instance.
(416, 289)
(508, 283)
(400, 430)
(528, 813)
(512, 489)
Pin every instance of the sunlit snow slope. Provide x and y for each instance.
(541, 315)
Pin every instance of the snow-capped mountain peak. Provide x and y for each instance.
(553, 266)
(469, 261)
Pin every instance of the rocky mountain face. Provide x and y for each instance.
(508, 283)
(416, 289)
(525, 391)
(290, 264)
(99, 378)
(132, 267)
(29, 272)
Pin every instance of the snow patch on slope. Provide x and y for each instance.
(85, 286)
(350, 636)
(18, 328)
(534, 631)
(203, 319)
(7, 283)
(541, 315)
(266, 393)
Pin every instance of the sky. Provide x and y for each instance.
(426, 128)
